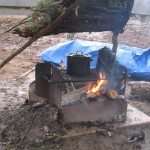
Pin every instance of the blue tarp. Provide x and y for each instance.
(136, 60)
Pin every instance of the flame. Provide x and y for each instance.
(96, 89)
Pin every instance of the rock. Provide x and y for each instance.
(140, 90)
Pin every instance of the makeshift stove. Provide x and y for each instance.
(98, 96)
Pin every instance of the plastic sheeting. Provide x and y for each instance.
(136, 60)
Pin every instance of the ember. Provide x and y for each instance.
(97, 88)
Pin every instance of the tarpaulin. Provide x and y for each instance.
(136, 60)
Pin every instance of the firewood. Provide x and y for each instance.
(90, 94)
(26, 73)
(112, 94)
(81, 92)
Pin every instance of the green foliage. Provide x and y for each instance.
(45, 11)
(42, 14)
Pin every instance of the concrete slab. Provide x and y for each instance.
(135, 117)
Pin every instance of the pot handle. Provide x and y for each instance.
(77, 52)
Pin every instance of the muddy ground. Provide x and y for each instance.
(14, 92)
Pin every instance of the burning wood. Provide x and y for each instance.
(97, 88)
(102, 88)
(112, 94)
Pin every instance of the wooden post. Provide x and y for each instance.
(115, 43)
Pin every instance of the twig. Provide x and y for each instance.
(25, 133)
(38, 105)
(15, 120)
(26, 73)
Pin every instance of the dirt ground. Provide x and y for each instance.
(14, 91)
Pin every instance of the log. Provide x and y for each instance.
(112, 94)
(41, 33)
(75, 95)
(81, 95)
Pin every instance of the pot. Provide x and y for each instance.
(78, 64)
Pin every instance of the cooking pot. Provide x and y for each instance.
(78, 64)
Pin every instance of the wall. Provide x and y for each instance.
(141, 7)
(24, 3)
(16, 7)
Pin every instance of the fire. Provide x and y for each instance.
(96, 89)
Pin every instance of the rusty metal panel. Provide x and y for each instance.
(54, 88)
(100, 110)
(42, 75)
